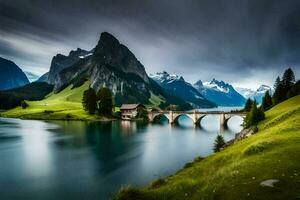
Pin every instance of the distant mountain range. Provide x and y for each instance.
(223, 94)
(178, 86)
(217, 92)
(11, 76)
(111, 64)
(255, 94)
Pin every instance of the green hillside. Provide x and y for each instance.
(63, 105)
(237, 172)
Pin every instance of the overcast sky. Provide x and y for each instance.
(243, 42)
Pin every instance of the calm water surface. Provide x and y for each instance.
(92, 160)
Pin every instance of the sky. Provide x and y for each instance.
(243, 42)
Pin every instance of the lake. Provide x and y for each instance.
(92, 160)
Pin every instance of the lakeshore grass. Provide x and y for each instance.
(237, 172)
(65, 105)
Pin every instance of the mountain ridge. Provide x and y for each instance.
(220, 92)
(110, 64)
(257, 94)
(11, 75)
(177, 85)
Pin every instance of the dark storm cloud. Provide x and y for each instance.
(237, 41)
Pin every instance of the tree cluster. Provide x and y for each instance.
(255, 115)
(285, 87)
(100, 102)
(31, 92)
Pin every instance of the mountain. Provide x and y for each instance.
(11, 76)
(60, 62)
(43, 78)
(110, 64)
(31, 76)
(176, 85)
(255, 94)
(223, 94)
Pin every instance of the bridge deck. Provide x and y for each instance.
(198, 112)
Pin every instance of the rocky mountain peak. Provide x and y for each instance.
(78, 52)
(165, 76)
(61, 62)
(264, 88)
(199, 84)
(109, 51)
(108, 40)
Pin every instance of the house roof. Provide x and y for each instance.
(130, 106)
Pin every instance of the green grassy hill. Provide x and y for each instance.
(63, 105)
(237, 172)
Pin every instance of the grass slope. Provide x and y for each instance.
(63, 105)
(236, 172)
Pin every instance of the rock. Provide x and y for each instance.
(269, 183)
(244, 133)
(61, 62)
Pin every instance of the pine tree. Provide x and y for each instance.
(288, 80)
(248, 105)
(267, 101)
(254, 116)
(260, 114)
(219, 143)
(89, 101)
(277, 82)
(278, 95)
(295, 90)
(251, 117)
(105, 102)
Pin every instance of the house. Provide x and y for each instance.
(129, 111)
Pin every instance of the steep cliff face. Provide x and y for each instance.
(11, 76)
(111, 53)
(60, 62)
(114, 66)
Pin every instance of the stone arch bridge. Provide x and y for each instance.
(196, 116)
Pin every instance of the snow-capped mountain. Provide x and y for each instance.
(245, 92)
(223, 94)
(177, 86)
(255, 94)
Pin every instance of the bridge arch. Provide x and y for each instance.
(227, 117)
(157, 116)
(195, 116)
(177, 116)
(198, 121)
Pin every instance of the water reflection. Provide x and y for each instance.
(91, 160)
